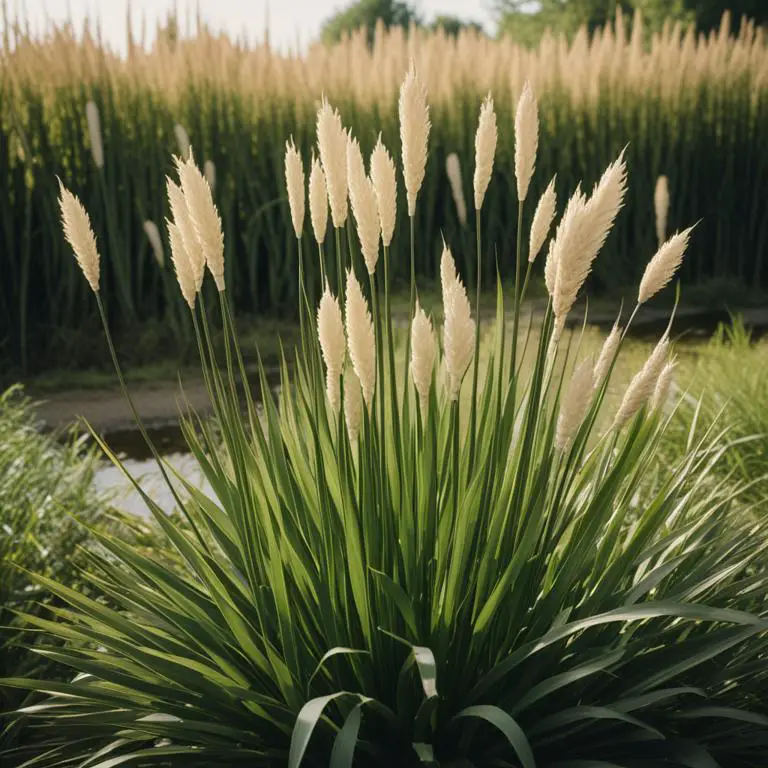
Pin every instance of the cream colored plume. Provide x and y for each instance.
(153, 235)
(453, 170)
(79, 234)
(332, 145)
(363, 198)
(448, 275)
(607, 354)
(458, 336)
(550, 269)
(414, 134)
(542, 220)
(318, 201)
(204, 216)
(663, 385)
(94, 133)
(330, 332)
(642, 386)
(661, 207)
(526, 140)
(360, 338)
(182, 220)
(583, 231)
(384, 179)
(294, 183)
(662, 267)
(353, 404)
(574, 405)
(209, 171)
(182, 266)
(485, 150)
(182, 141)
(423, 353)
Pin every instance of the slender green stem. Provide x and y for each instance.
(140, 424)
(473, 407)
(412, 309)
(300, 290)
(339, 269)
(518, 295)
(391, 350)
(321, 254)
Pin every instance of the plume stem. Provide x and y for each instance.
(518, 293)
(473, 411)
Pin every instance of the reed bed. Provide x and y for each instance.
(692, 109)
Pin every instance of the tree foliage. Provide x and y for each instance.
(366, 13)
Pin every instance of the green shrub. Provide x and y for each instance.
(447, 574)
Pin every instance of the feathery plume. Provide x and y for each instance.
(574, 405)
(79, 234)
(643, 384)
(542, 220)
(485, 150)
(153, 235)
(182, 140)
(453, 170)
(182, 265)
(363, 198)
(330, 332)
(448, 275)
(583, 231)
(526, 140)
(353, 404)
(94, 133)
(662, 267)
(663, 385)
(661, 207)
(204, 216)
(189, 240)
(209, 171)
(360, 338)
(294, 183)
(414, 134)
(550, 269)
(607, 354)
(332, 145)
(423, 353)
(384, 179)
(458, 336)
(318, 200)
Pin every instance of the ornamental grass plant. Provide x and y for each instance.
(407, 560)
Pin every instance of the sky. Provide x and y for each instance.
(290, 21)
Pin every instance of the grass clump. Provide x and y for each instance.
(408, 562)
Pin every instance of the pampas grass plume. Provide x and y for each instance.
(153, 235)
(384, 180)
(191, 244)
(353, 404)
(661, 207)
(182, 141)
(318, 201)
(526, 140)
(643, 385)
(458, 336)
(79, 234)
(204, 216)
(423, 353)
(360, 338)
(330, 332)
(453, 170)
(332, 146)
(209, 171)
(663, 385)
(607, 354)
(94, 133)
(448, 275)
(294, 183)
(182, 265)
(364, 206)
(542, 220)
(574, 405)
(662, 267)
(485, 150)
(414, 134)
